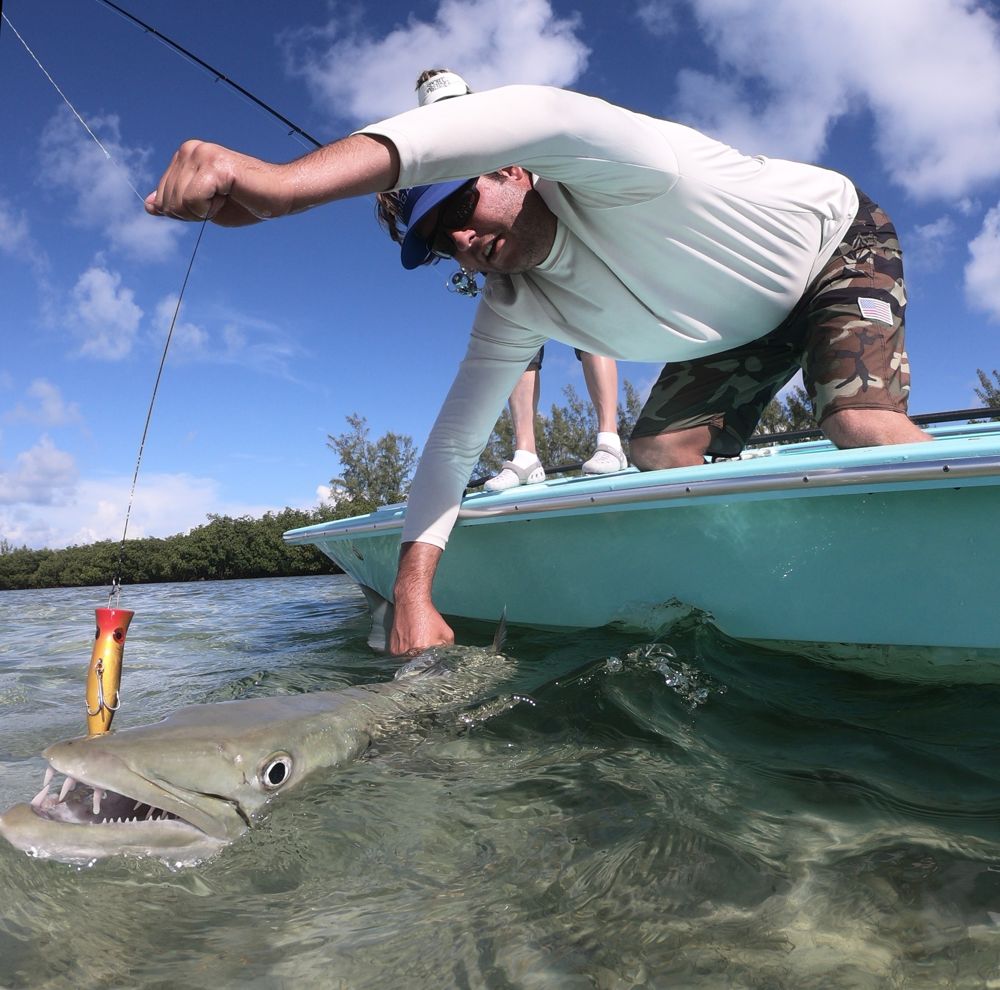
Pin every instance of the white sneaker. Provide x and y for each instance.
(511, 476)
(606, 460)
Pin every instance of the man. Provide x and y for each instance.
(616, 233)
(600, 373)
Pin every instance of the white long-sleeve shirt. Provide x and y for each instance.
(669, 245)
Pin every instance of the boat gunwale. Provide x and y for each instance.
(943, 470)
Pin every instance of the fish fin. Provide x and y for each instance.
(382, 612)
(500, 636)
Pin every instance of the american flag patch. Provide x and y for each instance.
(875, 309)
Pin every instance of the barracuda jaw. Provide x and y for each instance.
(88, 804)
(82, 822)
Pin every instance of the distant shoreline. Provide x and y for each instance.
(223, 549)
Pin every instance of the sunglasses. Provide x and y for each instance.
(455, 213)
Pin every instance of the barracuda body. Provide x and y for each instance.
(182, 789)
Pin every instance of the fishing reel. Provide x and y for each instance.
(463, 283)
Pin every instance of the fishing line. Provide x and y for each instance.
(115, 594)
(104, 674)
(116, 585)
(111, 158)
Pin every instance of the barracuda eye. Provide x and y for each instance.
(275, 771)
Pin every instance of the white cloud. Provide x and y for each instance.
(49, 408)
(106, 317)
(14, 235)
(107, 192)
(928, 244)
(188, 339)
(42, 475)
(363, 78)
(94, 509)
(657, 17)
(16, 239)
(982, 287)
(928, 73)
(239, 339)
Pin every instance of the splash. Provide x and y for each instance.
(692, 685)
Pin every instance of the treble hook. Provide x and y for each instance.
(102, 703)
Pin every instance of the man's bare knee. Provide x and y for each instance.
(871, 428)
(681, 448)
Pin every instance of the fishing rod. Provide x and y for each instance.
(219, 76)
(462, 282)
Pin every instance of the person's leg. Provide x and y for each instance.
(523, 468)
(523, 405)
(601, 376)
(854, 365)
(711, 405)
(679, 448)
(871, 428)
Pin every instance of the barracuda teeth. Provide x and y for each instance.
(49, 774)
(137, 806)
(98, 797)
(68, 784)
(149, 814)
(40, 796)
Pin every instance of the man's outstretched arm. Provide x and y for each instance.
(417, 624)
(206, 181)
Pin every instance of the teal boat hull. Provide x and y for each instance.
(843, 554)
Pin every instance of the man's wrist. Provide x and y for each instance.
(417, 564)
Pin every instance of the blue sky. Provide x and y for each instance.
(291, 326)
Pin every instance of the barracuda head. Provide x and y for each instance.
(183, 788)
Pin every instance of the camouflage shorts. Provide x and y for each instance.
(846, 333)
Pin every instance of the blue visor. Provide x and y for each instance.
(415, 203)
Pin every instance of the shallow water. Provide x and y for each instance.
(689, 813)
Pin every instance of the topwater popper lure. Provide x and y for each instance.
(105, 674)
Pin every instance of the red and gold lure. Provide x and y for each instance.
(105, 674)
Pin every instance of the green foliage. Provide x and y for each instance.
(223, 548)
(373, 474)
(565, 436)
(792, 413)
(989, 394)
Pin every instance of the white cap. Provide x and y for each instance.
(443, 86)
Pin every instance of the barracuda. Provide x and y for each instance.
(182, 789)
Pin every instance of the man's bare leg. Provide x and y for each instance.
(523, 405)
(523, 468)
(871, 428)
(680, 448)
(601, 376)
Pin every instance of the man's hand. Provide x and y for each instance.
(206, 181)
(417, 624)
(417, 628)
